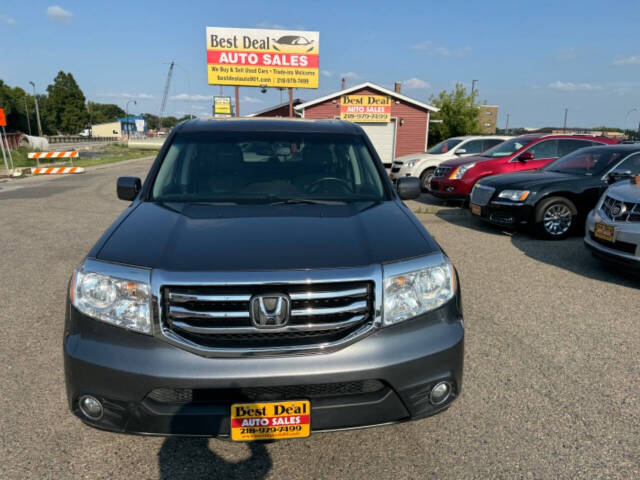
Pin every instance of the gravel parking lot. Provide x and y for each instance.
(551, 373)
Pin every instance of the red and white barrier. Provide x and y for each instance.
(71, 154)
(54, 170)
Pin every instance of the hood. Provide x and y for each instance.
(457, 161)
(626, 190)
(530, 179)
(416, 156)
(265, 237)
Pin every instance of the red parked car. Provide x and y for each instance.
(454, 179)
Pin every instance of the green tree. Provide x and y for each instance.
(458, 113)
(104, 112)
(66, 111)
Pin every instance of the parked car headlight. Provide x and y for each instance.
(411, 163)
(409, 294)
(514, 195)
(459, 172)
(122, 297)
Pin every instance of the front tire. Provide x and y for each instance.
(556, 217)
(425, 179)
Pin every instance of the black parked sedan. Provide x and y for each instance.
(556, 198)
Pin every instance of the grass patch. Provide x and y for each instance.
(108, 154)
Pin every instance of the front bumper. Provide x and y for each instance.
(620, 252)
(506, 215)
(121, 368)
(447, 189)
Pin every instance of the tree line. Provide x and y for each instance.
(64, 109)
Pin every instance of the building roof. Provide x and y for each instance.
(266, 124)
(296, 101)
(372, 86)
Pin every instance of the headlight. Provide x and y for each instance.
(114, 294)
(416, 291)
(411, 163)
(514, 195)
(459, 172)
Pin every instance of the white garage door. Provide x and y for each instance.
(383, 137)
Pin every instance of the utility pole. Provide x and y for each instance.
(564, 128)
(26, 107)
(237, 101)
(506, 128)
(126, 107)
(35, 97)
(473, 88)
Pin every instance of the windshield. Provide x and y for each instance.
(444, 146)
(507, 148)
(587, 161)
(267, 168)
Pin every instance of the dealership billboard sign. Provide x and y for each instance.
(365, 108)
(259, 57)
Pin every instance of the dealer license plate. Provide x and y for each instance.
(603, 232)
(270, 420)
(476, 209)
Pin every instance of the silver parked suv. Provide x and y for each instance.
(613, 227)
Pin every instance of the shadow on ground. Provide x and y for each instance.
(191, 458)
(569, 254)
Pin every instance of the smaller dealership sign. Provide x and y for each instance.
(365, 108)
(259, 57)
(221, 106)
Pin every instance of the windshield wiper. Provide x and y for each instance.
(308, 201)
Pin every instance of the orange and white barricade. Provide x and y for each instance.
(55, 170)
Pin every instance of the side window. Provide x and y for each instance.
(474, 146)
(492, 142)
(544, 149)
(567, 146)
(632, 164)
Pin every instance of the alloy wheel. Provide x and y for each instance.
(557, 219)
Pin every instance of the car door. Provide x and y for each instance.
(472, 147)
(543, 152)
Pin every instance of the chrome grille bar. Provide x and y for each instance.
(307, 312)
(311, 327)
(189, 297)
(355, 292)
(180, 312)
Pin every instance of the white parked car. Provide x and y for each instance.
(612, 231)
(422, 165)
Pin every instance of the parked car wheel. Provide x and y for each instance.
(555, 217)
(425, 179)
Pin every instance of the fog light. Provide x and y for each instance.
(90, 407)
(440, 393)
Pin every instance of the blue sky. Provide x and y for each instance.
(533, 59)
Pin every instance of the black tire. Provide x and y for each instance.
(556, 218)
(425, 178)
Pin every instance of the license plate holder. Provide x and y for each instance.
(476, 209)
(604, 232)
(270, 420)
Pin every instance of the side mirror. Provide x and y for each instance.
(408, 188)
(618, 175)
(526, 156)
(461, 151)
(128, 188)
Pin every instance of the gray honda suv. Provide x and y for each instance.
(266, 281)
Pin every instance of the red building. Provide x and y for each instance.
(401, 130)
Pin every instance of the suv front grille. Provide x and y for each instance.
(628, 211)
(218, 317)
(441, 171)
(257, 394)
(480, 195)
